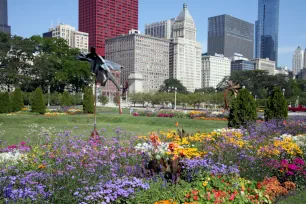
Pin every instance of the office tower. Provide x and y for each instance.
(142, 54)
(266, 37)
(228, 35)
(298, 60)
(304, 59)
(104, 19)
(242, 65)
(161, 29)
(265, 64)
(74, 39)
(185, 52)
(4, 27)
(214, 69)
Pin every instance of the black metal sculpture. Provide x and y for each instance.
(102, 69)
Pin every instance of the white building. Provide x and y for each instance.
(161, 29)
(214, 69)
(185, 52)
(265, 64)
(297, 61)
(304, 59)
(282, 70)
(75, 39)
(142, 54)
(238, 56)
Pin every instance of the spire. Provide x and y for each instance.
(185, 6)
(185, 15)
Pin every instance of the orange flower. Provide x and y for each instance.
(176, 124)
(41, 166)
(154, 139)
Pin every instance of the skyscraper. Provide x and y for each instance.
(104, 19)
(228, 35)
(4, 27)
(185, 52)
(298, 61)
(266, 38)
(161, 29)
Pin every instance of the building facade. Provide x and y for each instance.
(242, 65)
(267, 26)
(143, 54)
(185, 52)
(214, 69)
(75, 39)
(265, 64)
(228, 35)
(298, 60)
(104, 19)
(161, 29)
(4, 27)
(304, 59)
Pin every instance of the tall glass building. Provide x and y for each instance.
(4, 27)
(266, 40)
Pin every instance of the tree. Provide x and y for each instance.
(38, 104)
(242, 110)
(88, 102)
(205, 90)
(17, 100)
(277, 107)
(103, 99)
(66, 99)
(5, 103)
(169, 83)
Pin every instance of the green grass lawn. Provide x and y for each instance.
(16, 126)
(298, 198)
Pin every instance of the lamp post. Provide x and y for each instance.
(175, 89)
(283, 91)
(216, 98)
(48, 95)
(119, 102)
(255, 97)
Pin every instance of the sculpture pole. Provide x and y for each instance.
(95, 134)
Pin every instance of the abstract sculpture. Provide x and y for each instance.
(102, 69)
(234, 88)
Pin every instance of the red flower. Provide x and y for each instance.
(195, 198)
(232, 197)
(188, 195)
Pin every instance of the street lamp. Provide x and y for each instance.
(255, 97)
(119, 102)
(284, 92)
(216, 98)
(175, 89)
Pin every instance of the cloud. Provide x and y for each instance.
(285, 50)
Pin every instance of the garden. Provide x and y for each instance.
(182, 161)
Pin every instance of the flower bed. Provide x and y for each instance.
(254, 165)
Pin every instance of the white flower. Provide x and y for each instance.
(11, 157)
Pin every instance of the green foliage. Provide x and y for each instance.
(205, 90)
(103, 99)
(170, 83)
(27, 98)
(38, 104)
(277, 107)
(5, 103)
(17, 100)
(116, 100)
(76, 99)
(55, 99)
(88, 102)
(66, 99)
(242, 110)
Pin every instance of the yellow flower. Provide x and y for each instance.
(41, 166)
(205, 183)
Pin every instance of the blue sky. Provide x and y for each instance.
(30, 17)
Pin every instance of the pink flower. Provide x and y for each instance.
(299, 161)
(12, 147)
(290, 173)
(23, 143)
(284, 162)
(292, 167)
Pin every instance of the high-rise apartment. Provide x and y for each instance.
(298, 61)
(185, 52)
(74, 39)
(214, 69)
(104, 19)
(266, 37)
(4, 27)
(143, 54)
(161, 29)
(228, 35)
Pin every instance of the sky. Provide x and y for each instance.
(34, 17)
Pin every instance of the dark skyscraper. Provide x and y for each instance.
(228, 35)
(266, 39)
(4, 27)
(104, 19)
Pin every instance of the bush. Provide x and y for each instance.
(77, 99)
(88, 102)
(55, 99)
(5, 103)
(27, 98)
(277, 107)
(242, 110)
(103, 99)
(17, 100)
(66, 99)
(38, 105)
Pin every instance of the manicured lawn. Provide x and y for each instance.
(16, 126)
(298, 198)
